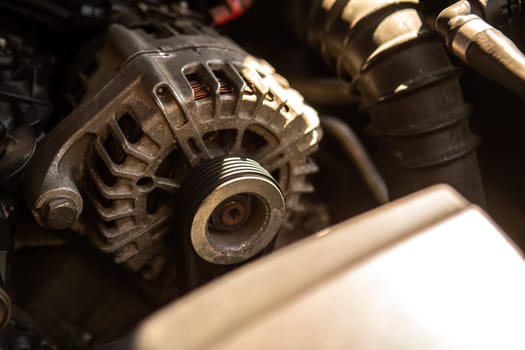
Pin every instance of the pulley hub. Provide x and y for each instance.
(233, 208)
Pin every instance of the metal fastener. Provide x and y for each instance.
(60, 213)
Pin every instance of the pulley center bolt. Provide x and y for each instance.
(232, 213)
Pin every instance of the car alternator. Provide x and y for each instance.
(166, 112)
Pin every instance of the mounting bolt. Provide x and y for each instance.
(59, 213)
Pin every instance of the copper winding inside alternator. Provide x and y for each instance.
(225, 87)
(202, 90)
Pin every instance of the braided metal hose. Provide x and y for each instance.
(408, 86)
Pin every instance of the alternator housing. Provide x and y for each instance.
(156, 107)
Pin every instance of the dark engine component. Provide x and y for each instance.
(24, 106)
(157, 106)
(400, 68)
(6, 242)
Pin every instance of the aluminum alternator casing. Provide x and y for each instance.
(155, 107)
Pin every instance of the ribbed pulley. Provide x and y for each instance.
(232, 208)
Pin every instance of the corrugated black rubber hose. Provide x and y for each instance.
(408, 86)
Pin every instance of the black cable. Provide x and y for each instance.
(353, 149)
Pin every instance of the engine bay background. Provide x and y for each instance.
(80, 297)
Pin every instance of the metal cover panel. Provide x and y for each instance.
(427, 272)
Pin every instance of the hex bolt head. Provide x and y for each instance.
(59, 213)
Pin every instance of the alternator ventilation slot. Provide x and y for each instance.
(173, 166)
(114, 149)
(252, 142)
(156, 199)
(131, 130)
(220, 140)
(100, 167)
